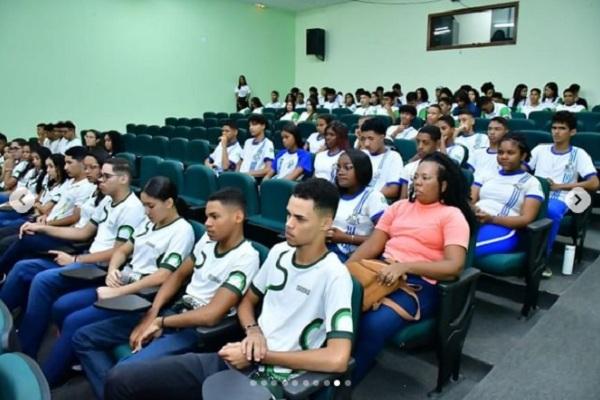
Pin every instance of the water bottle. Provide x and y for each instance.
(568, 260)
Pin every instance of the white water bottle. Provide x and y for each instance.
(568, 260)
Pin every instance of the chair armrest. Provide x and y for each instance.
(456, 301)
(85, 274)
(226, 327)
(466, 278)
(149, 292)
(537, 234)
(128, 303)
(539, 225)
(307, 383)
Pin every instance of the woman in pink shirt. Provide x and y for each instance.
(424, 238)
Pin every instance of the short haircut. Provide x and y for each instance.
(77, 152)
(408, 109)
(120, 166)
(3, 138)
(435, 106)
(59, 125)
(396, 86)
(568, 90)
(448, 120)
(411, 96)
(69, 125)
(483, 100)
(49, 127)
(538, 91)
(487, 86)
(275, 92)
(501, 120)
(323, 193)
(231, 197)
(432, 131)
(41, 125)
(326, 117)
(464, 111)
(391, 95)
(565, 117)
(374, 124)
(257, 119)
(446, 100)
(231, 123)
(575, 87)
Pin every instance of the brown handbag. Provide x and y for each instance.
(375, 294)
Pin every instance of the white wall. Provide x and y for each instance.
(370, 45)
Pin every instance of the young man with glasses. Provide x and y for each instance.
(111, 225)
(14, 166)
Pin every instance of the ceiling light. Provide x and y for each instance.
(504, 25)
(260, 5)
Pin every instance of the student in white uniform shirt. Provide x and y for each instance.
(404, 129)
(359, 143)
(565, 166)
(242, 93)
(275, 103)
(15, 166)
(221, 267)
(293, 163)
(457, 152)
(551, 98)
(310, 115)
(300, 101)
(112, 224)
(331, 101)
(3, 146)
(160, 244)
(290, 114)
(387, 107)
(316, 140)
(349, 102)
(428, 142)
(446, 105)
(466, 134)
(387, 164)
(422, 102)
(533, 104)
(258, 152)
(228, 153)
(70, 138)
(519, 98)
(277, 345)
(78, 189)
(365, 107)
(485, 161)
(336, 142)
(507, 200)
(255, 107)
(569, 103)
(491, 109)
(359, 208)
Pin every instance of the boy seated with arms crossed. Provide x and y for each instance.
(563, 165)
(404, 129)
(221, 267)
(457, 152)
(258, 152)
(305, 323)
(490, 109)
(466, 132)
(228, 153)
(387, 164)
(428, 142)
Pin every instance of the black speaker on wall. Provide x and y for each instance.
(315, 42)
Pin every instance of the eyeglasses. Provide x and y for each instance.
(106, 176)
(14, 148)
(345, 167)
(87, 167)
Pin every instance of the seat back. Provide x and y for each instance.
(178, 149)
(481, 125)
(143, 145)
(588, 119)
(198, 151)
(130, 157)
(209, 114)
(210, 122)
(6, 327)
(306, 128)
(544, 206)
(590, 142)
(274, 197)
(221, 115)
(159, 146)
(213, 135)
(199, 182)
(183, 121)
(263, 251)
(171, 121)
(167, 131)
(153, 130)
(148, 168)
(535, 137)
(199, 229)
(406, 147)
(520, 124)
(129, 142)
(173, 170)
(349, 119)
(387, 121)
(21, 378)
(246, 184)
(131, 128)
(182, 132)
(519, 115)
(198, 132)
(140, 129)
(194, 122)
(540, 118)
(242, 123)
(417, 123)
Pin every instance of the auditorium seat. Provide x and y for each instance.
(128, 141)
(143, 145)
(528, 263)
(222, 115)
(213, 135)
(518, 115)
(171, 121)
(152, 130)
(148, 169)
(246, 184)
(211, 122)
(306, 128)
(243, 123)
(194, 122)
(481, 125)
(274, 196)
(407, 148)
(181, 132)
(184, 121)
(167, 131)
(417, 123)
(22, 379)
(209, 114)
(589, 120)
(178, 149)
(337, 112)
(140, 129)
(520, 124)
(236, 116)
(198, 132)
(130, 128)
(198, 151)
(159, 146)
(540, 118)
(200, 182)
(173, 170)
(535, 137)
(349, 119)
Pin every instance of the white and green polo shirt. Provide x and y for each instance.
(116, 222)
(303, 305)
(233, 269)
(164, 247)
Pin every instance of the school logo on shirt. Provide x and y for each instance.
(308, 333)
(238, 280)
(342, 320)
(173, 259)
(303, 290)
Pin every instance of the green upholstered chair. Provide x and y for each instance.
(535, 137)
(246, 184)
(159, 146)
(406, 147)
(200, 182)
(178, 149)
(198, 151)
(21, 378)
(274, 196)
(520, 124)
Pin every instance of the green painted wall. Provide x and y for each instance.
(103, 63)
(370, 45)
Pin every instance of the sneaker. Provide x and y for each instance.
(547, 273)
(2, 279)
(76, 368)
